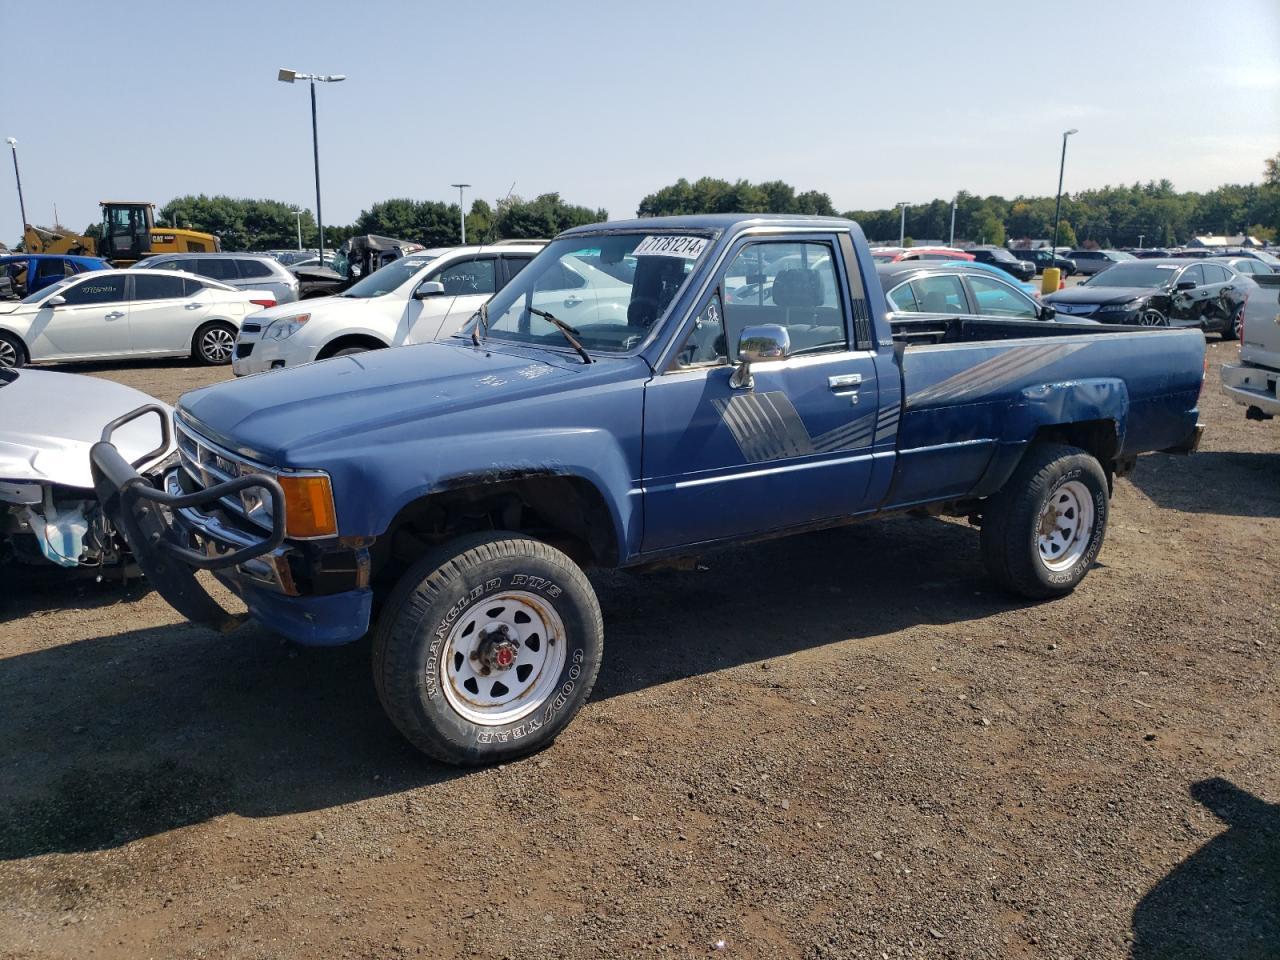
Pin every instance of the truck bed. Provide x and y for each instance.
(976, 391)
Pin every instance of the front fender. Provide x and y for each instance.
(592, 455)
(1098, 400)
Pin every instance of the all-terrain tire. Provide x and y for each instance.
(417, 649)
(1015, 520)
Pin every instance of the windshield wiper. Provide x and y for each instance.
(481, 329)
(564, 328)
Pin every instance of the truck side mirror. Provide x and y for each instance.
(56, 301)
(768, 341)
(428, 288)
(1048, 311)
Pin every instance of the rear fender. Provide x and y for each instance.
(1101, 405)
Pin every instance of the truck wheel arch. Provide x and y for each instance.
(565, 510)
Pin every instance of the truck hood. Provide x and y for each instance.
(48, 422)
(1087, 294)
(301, 416)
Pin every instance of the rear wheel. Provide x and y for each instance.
(1042, 532)
(487, 648)
(12, 353)
(214, 343)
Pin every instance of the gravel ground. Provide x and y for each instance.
(845, 744)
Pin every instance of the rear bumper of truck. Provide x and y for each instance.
(311, 593)
(1253, 387)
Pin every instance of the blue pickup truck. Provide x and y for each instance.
(714, 379)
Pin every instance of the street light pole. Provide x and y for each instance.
(902, 226)
(289, 76)
(297, 212)
(22, 207)
(462, 213)
(952, 242)
(1057, 207)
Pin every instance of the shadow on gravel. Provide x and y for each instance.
(1224, 900)
(1214, 481)
(29, 591)
(121, 737)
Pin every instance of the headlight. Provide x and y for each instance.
(1128, 307)
(308, 504)
(285, 327)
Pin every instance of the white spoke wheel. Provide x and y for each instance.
(11, 354)
(1043, 530)
(1066, 523)
(487, 648)
(503, 658)
(215, 343)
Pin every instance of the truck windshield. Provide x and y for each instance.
(610, 289)
(1135, 274)
(390, 277)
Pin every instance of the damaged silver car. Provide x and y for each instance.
(48, 421)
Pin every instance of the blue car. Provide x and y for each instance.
(28, 272)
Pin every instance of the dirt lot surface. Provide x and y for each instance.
(845, 744)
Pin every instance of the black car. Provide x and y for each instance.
(1006, 261)
(1042, 258)
(916, 286)
(1161, 293)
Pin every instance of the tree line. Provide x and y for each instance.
(1150, 214)
(1146, 214)
(245, 224)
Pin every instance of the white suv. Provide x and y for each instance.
(425, 296)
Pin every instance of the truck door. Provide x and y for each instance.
(792, 448)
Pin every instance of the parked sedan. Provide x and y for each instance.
(1161, 293)
(244, 271)
(1006, 261)
(1095, 261)
(1042, 258)
(126, 313)
(1249, 266)
(960, 288)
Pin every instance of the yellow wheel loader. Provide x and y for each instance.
(129, 233)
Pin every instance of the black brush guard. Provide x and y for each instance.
(139, 512)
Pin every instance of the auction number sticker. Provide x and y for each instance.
(687, 248)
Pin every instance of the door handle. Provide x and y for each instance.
(572, 301)
(845, 381)
(114, 315)
(191, 306)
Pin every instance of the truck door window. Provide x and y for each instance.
(706, 341)
(792, 285)
(469, 277)
(997, 299)
(941, 294)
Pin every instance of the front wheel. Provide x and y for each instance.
(11, 352)
(1151, 317)
(1042, 532)
(213, 343)
(487, 648)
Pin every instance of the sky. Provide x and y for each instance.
(873, 103)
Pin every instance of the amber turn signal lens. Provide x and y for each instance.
(308, 506)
